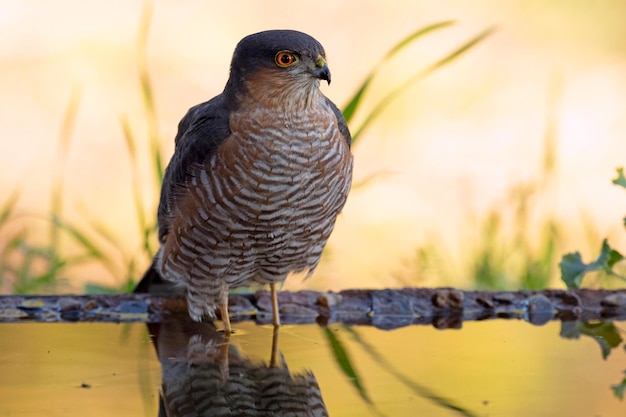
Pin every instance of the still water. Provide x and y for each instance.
(490, 368)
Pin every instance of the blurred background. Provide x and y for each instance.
(481, 174)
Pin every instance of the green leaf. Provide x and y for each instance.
(605, 333)
(613, 258)
(569, 330)
(573, 269)
(618, 389)
(608, 257)
(620, 180)
(343, 360)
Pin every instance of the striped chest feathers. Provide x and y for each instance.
(279, 168)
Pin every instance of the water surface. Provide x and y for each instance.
(491, 368)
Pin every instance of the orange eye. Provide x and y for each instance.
(285, 59)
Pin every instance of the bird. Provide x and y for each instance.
(258, 177)
(205, 375)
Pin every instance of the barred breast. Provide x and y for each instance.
(263, 206)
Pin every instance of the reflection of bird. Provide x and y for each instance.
(258, 177)
(204, 376)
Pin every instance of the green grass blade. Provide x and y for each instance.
(129, 139)
(550, 136)
(93, 252)
(417, 34)
(65, 136)
(345, 364)
(148, 92)
(8, 208)
(104, 233)
(156, 161)
(459, 51)
(137, 194)
(33, 259)
(416, 388)
(386, 100)
(368, 180)
(142, 50)
(349, 110)
(80, 237)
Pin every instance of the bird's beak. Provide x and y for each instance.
(321, 70)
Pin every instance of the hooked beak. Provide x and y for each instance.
(321, 71)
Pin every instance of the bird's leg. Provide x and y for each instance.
(225, 318)
(224, 311)
(275, 313)
(274, 352)
(223, 356)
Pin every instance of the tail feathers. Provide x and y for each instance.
(151, 278)
(152, 282)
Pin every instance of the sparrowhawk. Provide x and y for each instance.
(258, 176)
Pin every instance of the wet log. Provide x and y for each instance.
(386, 309)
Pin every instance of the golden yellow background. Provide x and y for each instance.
(447, 150)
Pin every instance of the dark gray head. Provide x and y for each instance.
(284, 54)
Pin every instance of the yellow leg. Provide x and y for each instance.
(275, 313)
(274, 352)
(224, 313)
(223, 357)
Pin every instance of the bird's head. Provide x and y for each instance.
(279, 64)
